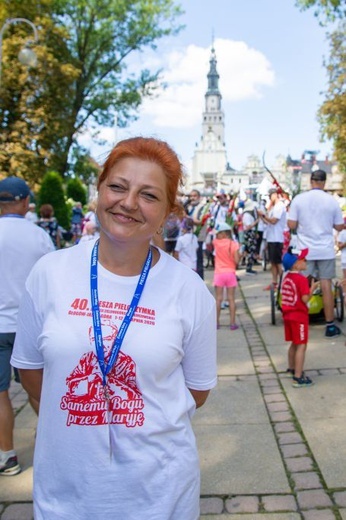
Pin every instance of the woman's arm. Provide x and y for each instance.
(32, 381)
(200, 396)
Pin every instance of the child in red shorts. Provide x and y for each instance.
(295, 294)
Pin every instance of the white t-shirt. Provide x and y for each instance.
(170, 346)
(342, 238)
(186, 246)
(316, 213)
(219, 213)
(22, 243)
(31, 216)
(275, 232)
(248, 220)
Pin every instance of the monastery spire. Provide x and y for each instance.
(213, 76)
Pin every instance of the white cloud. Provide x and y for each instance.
(243, 73)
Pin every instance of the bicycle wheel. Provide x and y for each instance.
(339, 302)
(272, 305)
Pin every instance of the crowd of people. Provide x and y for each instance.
(115, 407)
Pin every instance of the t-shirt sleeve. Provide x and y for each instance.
(338, 216)
(25, 352)
(293, 211)
(178, 245)
(199, 362)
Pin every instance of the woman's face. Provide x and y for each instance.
(132, 201)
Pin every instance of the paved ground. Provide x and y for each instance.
(268, 451)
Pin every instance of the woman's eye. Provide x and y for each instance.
(150, 196)
(117, 187)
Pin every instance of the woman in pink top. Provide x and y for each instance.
(226, 252)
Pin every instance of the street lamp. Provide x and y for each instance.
(26, 56)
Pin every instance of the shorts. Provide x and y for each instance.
(275, 252)
(321, 269)
(225, 280)
(297, 331)
(6, 347)
(76, 229)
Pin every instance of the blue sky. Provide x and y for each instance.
(270, 61)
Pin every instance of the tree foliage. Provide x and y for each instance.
(82, 79)
(332, 113)
(76, 190)
(325, 10)
(52, 192)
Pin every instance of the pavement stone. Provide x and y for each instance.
(243, 504)
(268, 451)
(279, 503)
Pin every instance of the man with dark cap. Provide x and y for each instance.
(22, 243)
(315, 214)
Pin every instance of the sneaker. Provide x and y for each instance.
(9, 466)
(250, 272)
(290, 372)
(234, 327)
(332, 330)
(301, 382)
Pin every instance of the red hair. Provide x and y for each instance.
(152, 150)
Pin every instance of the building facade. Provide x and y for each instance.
(211, 171)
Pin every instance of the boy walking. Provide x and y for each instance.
(295, 294)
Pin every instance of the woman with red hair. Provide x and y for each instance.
(103, 451)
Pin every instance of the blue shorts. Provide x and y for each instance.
(6, 346)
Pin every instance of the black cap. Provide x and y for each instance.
(319, 175)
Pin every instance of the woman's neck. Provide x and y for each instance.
(124, 259)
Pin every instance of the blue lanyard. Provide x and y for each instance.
(107, 367)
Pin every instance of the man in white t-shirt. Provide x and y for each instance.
(275, 218)
(315, 214)
(21, 245)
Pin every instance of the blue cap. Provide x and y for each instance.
(289, 259)
(13, 189)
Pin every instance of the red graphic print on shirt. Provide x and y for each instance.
(85, 398)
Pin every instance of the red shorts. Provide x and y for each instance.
(225, 280)
(297, 331)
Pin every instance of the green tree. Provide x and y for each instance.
(52, 192)
(34, 102)
(84, 50)
(76, 190)
(332, 113)
(83, 166)
(327, 10)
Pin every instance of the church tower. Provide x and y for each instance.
(213, 116)
(210, 157)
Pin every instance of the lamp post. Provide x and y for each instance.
(26, 55)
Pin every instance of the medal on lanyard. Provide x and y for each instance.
(106, 367)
